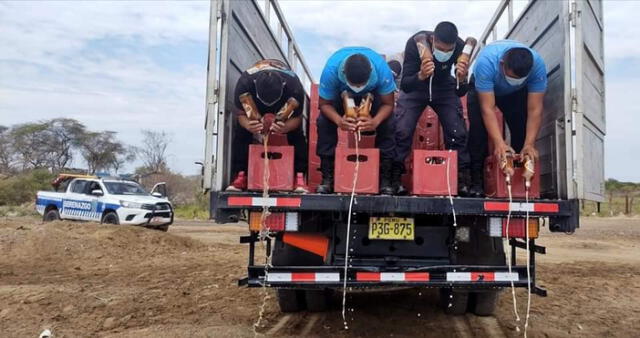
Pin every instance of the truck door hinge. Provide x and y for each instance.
(574, 101)
(573, 13)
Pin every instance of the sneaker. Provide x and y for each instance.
(239, 183)
(300, 186)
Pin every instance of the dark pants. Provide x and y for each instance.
(242, 138)
(514, 110)
(328, 132)
(447, 106)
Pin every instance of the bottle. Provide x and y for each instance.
(506, 165)
(423, 48)
(249, 106)
(349, 105)
(529, 171)
(469, 45)
(287, 110)
(364, 110)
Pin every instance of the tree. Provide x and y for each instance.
(102, 151)
(6, 152)
(121, 159)
(64, 135)
(29, 143)
(153, 150)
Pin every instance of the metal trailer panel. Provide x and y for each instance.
(590, 116)
(240, 35)
(543, 26)
(571, 139)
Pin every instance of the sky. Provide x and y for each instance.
(127, 66)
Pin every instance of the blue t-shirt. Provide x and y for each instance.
(489, 76)
(333, 81)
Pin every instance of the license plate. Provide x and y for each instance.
(391, 228)
(156, 220)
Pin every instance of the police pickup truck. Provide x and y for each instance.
(105, 200)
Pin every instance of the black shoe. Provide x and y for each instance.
(386, 186)
(477, 183)
(464, 182)
(326, 166)
(396, 178)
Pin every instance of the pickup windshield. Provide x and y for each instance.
(124, 188)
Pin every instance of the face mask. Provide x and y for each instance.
(442, 56)
(357, 89)
(514, 81)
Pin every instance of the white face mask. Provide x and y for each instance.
(442, 56)
(515, 81)
(357, 89)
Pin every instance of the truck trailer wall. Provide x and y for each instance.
(241, 35)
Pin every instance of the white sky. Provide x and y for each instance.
(124, 66)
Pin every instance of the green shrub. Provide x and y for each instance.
(22, 188)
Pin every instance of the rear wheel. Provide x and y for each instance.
(110, 218)
(290, 300)
(317, 300)
(484, 303)
(51, 215)
(454, 302)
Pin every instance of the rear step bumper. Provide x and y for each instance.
(470, 277)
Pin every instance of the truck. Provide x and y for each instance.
(108, 200)
(459, 244)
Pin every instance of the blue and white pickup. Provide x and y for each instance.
(111, 201)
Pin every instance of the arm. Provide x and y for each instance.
(327, 109)
(488, 108)
(287, 126)
(410, 67)
(534, 120)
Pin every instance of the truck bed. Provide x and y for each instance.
(563, 214)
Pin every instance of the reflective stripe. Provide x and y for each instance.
(392, 276)
(292, 202)
(303, 277)
(522, 207)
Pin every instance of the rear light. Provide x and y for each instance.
(276, 221)
(498, 227)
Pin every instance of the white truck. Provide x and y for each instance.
(106, 200)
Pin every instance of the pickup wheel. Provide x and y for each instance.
(454, 302)
(484, 303)
(110, 218)
(51, 215)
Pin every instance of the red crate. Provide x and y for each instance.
(427, 173)
(368, 172)
(281, 175)
(314, 177)
(495, 184)
(366, 141)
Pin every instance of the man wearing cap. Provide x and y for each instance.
(512, 77)
(358, 71)
(431, 84)
(270, 83)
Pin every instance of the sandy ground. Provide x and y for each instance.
(84, 279)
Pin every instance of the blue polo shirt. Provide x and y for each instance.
(333, 81)
(489, 76)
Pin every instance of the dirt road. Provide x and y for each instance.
(83, 279)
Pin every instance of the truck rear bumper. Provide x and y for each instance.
(449, 276)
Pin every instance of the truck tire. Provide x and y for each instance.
(456, 305)
(317, 300)
(110, 218)
(484, 303)
(290, 300)
(51, 215)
